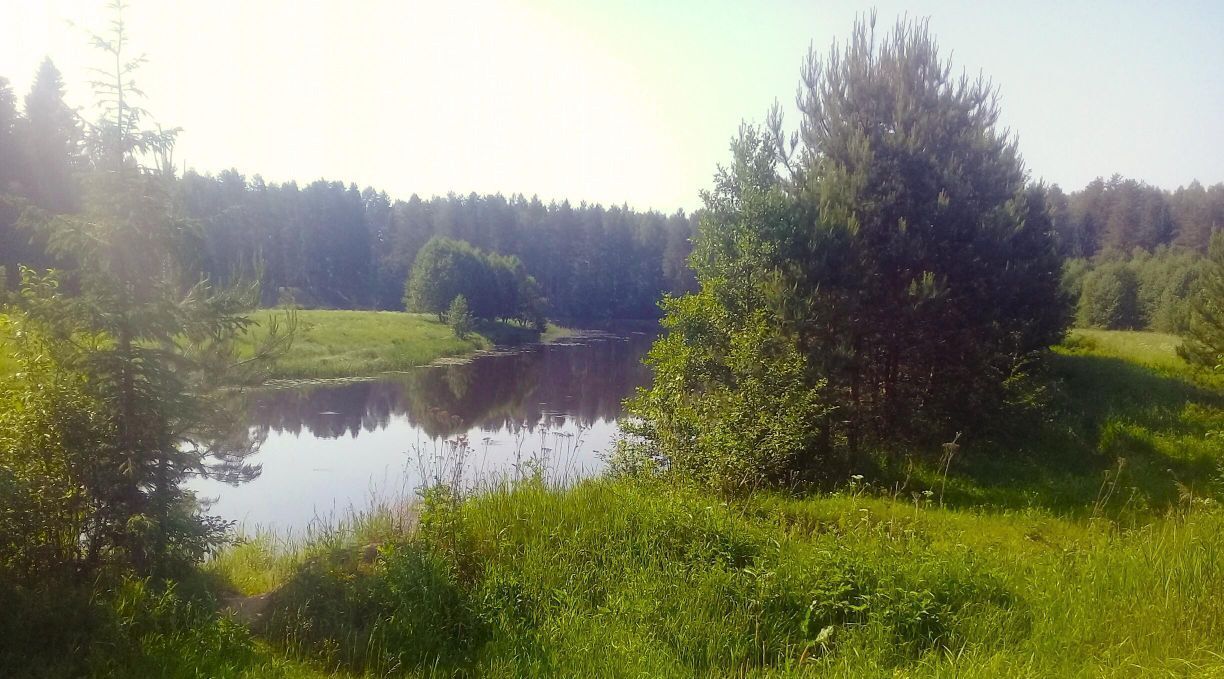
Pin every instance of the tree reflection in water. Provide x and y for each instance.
(330, 450)
(583, 381)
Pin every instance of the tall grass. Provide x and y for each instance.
(1084, 542)
(639, 578)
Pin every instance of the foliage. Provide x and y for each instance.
(1109, 298)
(495, 286)
(121, 399)
(1034, 559)
(405, 612)
(1024, 557)
(1167, 280)
(898, 256)
(642, 578)
(1114, 217)
(458, 317)
(133, 628)
(1205, 335)
(729, 405)
(49, 429)
(1147, 290)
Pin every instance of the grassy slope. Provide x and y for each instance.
(333, 343)
(1035, 557)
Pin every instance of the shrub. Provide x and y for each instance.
(730, 406)
(459, 317)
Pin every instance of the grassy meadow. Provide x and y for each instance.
(333, 343)
(1085, 543)
(336, 343)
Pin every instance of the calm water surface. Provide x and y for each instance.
(332, 448)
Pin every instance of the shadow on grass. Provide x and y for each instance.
(400, 608)
(1119, 438)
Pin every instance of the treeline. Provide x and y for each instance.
(329, 244)
(1146, 290)
(1114, 217)
(337, 246)
(1134, 252)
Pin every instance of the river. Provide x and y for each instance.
(332, 449)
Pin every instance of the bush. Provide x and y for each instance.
(132, 628)
(729, 406)
(407, 610)
(459, 317)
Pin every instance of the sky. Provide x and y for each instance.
(619, 102)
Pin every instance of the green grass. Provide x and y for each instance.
(1131, 431)
(331, 343)
(630, 578)
(1085, 542)
(1152, 349)
(334, 343)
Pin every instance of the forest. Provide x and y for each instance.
(906, 411)
(332, 245)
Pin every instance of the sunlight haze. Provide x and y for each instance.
(629, 102)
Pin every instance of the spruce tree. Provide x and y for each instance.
(52, 137)
(1204, 345)
(11, 163)
(153, 343)
(10, 153)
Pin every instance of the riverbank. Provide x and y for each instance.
(337, 343)
(1089, 542)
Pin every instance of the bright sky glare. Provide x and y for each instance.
(616, 102)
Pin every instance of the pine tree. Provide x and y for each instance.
(934, 255)
(1204, 345)
(891, 256)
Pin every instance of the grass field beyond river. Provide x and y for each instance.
(330, 343)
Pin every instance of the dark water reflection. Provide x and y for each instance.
(329, 448)
(584, 380)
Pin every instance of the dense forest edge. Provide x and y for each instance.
(876, 441)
